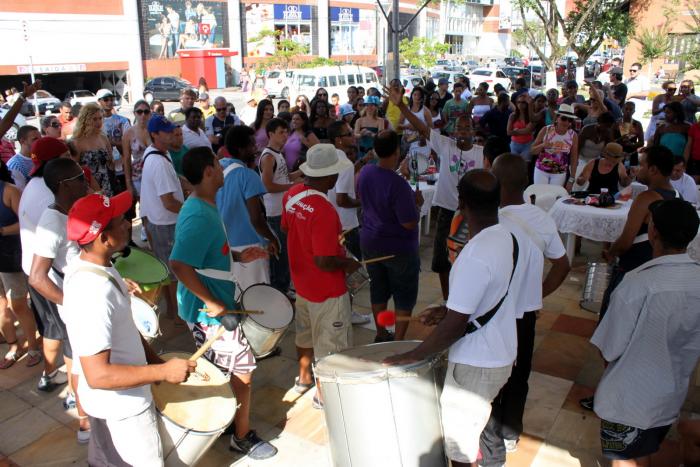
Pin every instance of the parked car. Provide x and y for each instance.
(80, 96)
(166, 88)
(11, 134)
(335, 79)
(379, 70)
(514, 73)
(469, 65)
(411, 81)
(492, 76)
(450, 75)
(278, 83)
(44, 100)
(514, 61)
(537, 72)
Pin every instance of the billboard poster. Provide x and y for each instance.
(171, 25)
(291, 21)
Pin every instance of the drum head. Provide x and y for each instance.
(278, 310)
(204, 403)
(365, 362)
(142, 267)
(145, 317)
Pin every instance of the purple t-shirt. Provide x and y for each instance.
(387, 202)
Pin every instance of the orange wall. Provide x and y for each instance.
(153, 68)
(80, 7)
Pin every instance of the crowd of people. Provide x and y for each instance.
(297, 195)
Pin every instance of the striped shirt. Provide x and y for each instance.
(20, 166)
(651, 337)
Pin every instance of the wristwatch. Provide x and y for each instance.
(22, 96)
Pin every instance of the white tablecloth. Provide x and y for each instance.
(599, 224)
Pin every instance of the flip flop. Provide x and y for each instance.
(10, 359)
(33, 358)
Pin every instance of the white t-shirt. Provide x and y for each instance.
(478, 280)
(51, 241)
(273, 201)
(687, 188)
(98, 318)
(466, 94)
(637, 85)
(36, 197)
(195, 139)
(345, 184)
(542, 227)
(158, 178)
(453, 164)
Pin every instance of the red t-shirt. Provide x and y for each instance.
(694, 133)
(313, 229)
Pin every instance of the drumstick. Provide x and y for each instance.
(228, 323)
(388, 318)
(377, 259)
(241, 312)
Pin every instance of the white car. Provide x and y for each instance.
(11, 134)
(492, 76)
(80, 96)
(450, 75)
(411, 81)
(278, 83)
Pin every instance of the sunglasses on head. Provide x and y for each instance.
(142, 111)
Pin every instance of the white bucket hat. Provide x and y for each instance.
(322, 160)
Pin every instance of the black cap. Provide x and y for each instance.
(676, 221)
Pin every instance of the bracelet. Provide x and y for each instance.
(22, 96)
(572, 179)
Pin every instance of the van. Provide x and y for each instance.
(334, 79)
(278, 82)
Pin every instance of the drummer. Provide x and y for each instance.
(478, 322)
(202, 261)
(116, 365)
(318, 263)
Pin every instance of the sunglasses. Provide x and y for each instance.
(80, 177)
(632, 70)
(322, 94)
(142, 111)
(110, 98)
(221, 109)
(566, 119)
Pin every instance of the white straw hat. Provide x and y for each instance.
(322, 160)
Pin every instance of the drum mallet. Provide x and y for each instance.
(377, 259)
(228, 323)
(388, 318)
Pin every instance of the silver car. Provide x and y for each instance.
(11, 134)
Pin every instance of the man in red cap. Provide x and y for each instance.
(36, 198)
(117, 366)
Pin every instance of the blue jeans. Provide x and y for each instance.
(279, 267)
(521, 149)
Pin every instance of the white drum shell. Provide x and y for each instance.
(182, 446)
(388, 417)
(145, 318)
(263, 339)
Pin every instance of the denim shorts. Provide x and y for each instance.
(396, 277)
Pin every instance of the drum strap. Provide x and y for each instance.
(104, 274)
(486, 317)
(289, 206)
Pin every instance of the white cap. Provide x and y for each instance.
(102, 93)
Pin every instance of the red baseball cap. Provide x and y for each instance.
(90, 215)
(45, 149)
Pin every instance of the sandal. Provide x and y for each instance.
(10, 359)
(33, 357)
(301, 388)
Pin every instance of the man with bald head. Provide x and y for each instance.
(478, 322)
(214, 125)
(530, 225)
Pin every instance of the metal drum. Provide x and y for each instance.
(193, 414)
(264, 331)
(597, 280)
(357, 280)
(145, 318)
(380, 415)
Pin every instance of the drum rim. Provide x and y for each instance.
(252, 317)
(148, 253)
(385, 371)
(155, 314)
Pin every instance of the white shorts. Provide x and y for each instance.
(247, 274)
(137, 440)
(466, 406)
(541, 177)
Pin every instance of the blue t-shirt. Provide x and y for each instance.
(239, 186)
(387, 202)
(200, 241)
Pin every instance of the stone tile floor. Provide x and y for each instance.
(36, 431)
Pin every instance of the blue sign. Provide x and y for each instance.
(345, 15)
(292, 12)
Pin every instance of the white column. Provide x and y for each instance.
(135, 76)
(235, 32)
(324, 21)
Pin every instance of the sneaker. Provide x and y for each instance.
(83, 436)
(69, 401)
(511, 445)
(252, 446)
(586, 403)
(48, 383)
(359, 318)
(144, 237)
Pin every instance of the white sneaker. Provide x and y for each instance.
(359, 318)
(511, 445)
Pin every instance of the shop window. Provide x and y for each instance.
(322, 82)
(333, 81)
(341, 80)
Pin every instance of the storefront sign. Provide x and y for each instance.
(58, 68)
(292, 12)
(345, 15)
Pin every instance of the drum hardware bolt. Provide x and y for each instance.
(202, 376)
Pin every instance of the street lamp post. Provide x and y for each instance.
(31, 63)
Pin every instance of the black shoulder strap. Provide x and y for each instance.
(155, 152)
(486, 317)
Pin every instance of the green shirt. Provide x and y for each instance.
(200, 241)
(177, 156)
(452, 111)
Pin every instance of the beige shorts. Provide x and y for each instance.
(324, 326)
(466, 406)
(13, 285)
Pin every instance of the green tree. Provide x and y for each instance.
(286, 50)
(654, 42)
(521, 39)
(610, 20)
(690, 57)
(420, 52)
